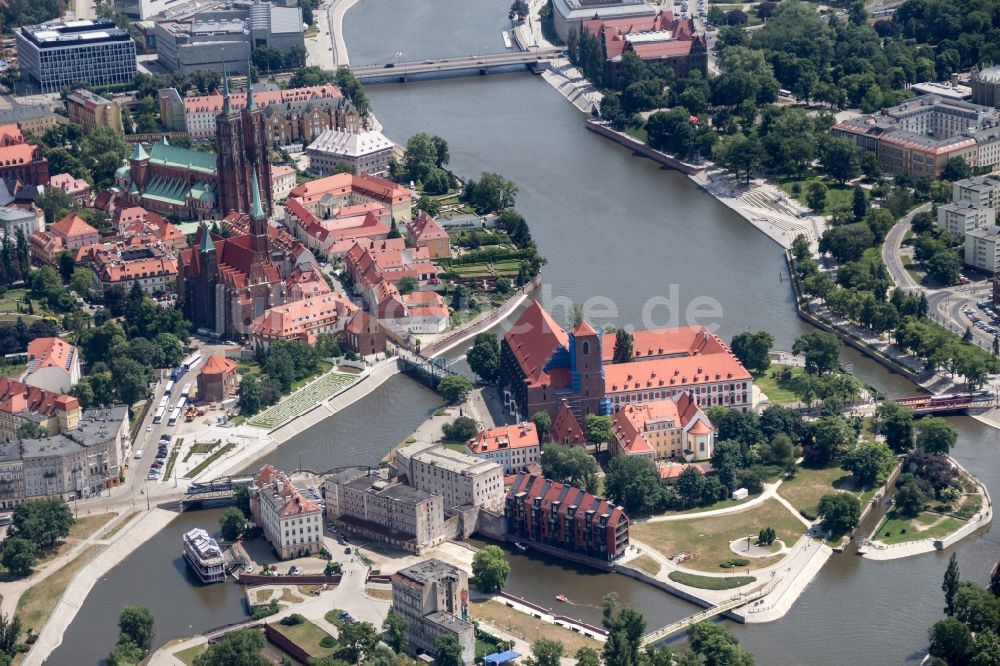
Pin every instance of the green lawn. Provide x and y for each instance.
(838, 197)
(710, 582)
(209, 460)
(302, 400)
(14, 298)
(896, 529)
(189, 655)
(708, 539)
(778, 391)
(809, 484)
(307, 636)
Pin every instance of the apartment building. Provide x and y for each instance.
(960, 218)
(433, 597)
(460, 479)
(513, 447)
(291, 522)
(387, 511)
(59, 54)
(982, 249)
(91, 111)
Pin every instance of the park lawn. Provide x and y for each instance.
(322, 368)
(708, 539)
(710, 582)
(778, 392)
(38, 601)
(526, 627)
(809, 484)
(209, 460)
(646, 564)
(923, 526)
(82, 529)
(838, 197)
(456, 446)
(12, 297)
(307, 636)
(190, 654)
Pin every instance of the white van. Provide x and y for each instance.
(138, 454)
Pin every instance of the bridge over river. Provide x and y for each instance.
(535, 61)
(975, 401)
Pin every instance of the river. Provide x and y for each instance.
(651, 244)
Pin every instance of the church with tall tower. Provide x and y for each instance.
(242, 146)
(223, 284)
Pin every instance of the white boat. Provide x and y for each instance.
(520, 546)
(506, 40)
(204, 556)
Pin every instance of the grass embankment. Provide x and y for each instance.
(209, 460)
(838, 197)
(190, 654)
(38, 601)
(707, 539)
(646, 564)
(896, 529)
(82, 529)
(778, 391)
(526, 627)
(710, 582)
(308, 637)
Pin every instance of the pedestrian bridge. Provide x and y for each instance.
(709, 613)
(401, 72)
(219, 488)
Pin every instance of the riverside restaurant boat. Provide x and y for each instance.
(204, 556)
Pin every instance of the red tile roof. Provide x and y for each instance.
(517, 436)
(533, 339)
(71, 227)
(217, 365)
(565, 428)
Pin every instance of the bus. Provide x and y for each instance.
(174, 415)
(186, 391)
(163, 401)
(181, 402)
(158, 416)
(170, 388)
(191, 361)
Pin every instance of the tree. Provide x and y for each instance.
(395, 627)
(739, 154)
(840, 512)
(868, 462)
(951, 641)
(935, 435)
(633, 483)
(766, 536)
(55, 204)
(895, 422)
(753, 349)
(135, 623)
(949, 585)
(447, 652)
(460, 430)
(717, 646)
(454, 388)
(956, 168)
(545, 652)
(484, 357)
(816, 196)
(859, 204)
(357, 640)
(623, 346)
(238, 648)
(490, 569)
(910, 499)
(598, 428)
(840, 158)
(586, 656)
(572, 465)
(491, 193)
(31, 430)
(944, 267)
(821, 351)
(42, 521)
(241, 494)
(232, 524)
(987, 650)
(543, 424)
(10, 631)
(18, 556)
(249, 395)
(832, 436)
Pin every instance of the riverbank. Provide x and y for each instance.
(335, 17)
(878, 550)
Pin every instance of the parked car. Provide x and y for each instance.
(138, 454)
(347, 551)
(248, 569)
(295, 571)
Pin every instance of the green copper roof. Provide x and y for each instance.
(168, 190)
(256, 210)
(139, 153)
(183, 158)
(123, 171)
(206, 240)
(202, 191)
(133, 189)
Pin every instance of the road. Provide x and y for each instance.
(892, 253)
(450, 64)
(319, 49)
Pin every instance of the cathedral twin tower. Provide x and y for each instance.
(242, 146)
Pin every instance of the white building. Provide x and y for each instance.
(62, 54)
(979, 190)
(960, 218)
(367, 152)
(53, 365)
(513, 446)
(292, 523)
(462, 480)
(982, 249)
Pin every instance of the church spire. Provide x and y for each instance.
(206, 240)
(256, 209)
(250, 104)
(225, 86)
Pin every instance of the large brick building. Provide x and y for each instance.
(565, 518)
(675, 43)
(542, 365)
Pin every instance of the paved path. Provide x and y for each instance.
(335, 16)
(892, 254)
(770, 490)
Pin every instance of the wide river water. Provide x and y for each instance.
(655, 248)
